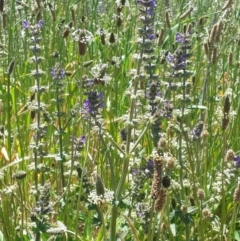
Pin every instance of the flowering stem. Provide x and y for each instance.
(60, 137)
(150, 221)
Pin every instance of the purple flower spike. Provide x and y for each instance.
(25, 24)
(40, 24)
(180, 38)
(237, 161)
(53, 73)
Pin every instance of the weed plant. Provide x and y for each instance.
(119, 120)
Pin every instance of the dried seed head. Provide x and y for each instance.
(230, 59)
(82, 45)
(229, 155)
(66, 32)
(157, 176)
(227, 5)
(118, 21)
(225, 121)
(99, 186)
(200, 194)
(73, 15)
(161, 200)
(206, 49)
(167, 19)
(163, 227)
(213, 33)
(204, 134)
(162, 143)
(189, 28)
(4, 19)
(214, 56)
(185, 14)
(192, 202)
(236, 196)
(160, 37)
(206, 213)
(112, 38)
(102, 36)
(170, 163)
(218, 31)
(226, 108)
(184, 209)
(1, 5)
(10, 67)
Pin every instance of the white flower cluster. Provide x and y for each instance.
(107, 197)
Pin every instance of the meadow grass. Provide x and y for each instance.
(119, 120)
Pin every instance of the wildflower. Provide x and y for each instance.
(206, 213)
(57, 72)
(237, 161)
(100, 195)
(25, 24)
(177, 60)
(181, 38)
(88, 36)
(93, 103)
(42, 206)
(78, 143)
(200, 194)
(229, 156)
(147, 3)
(195, 133)
(40, 24)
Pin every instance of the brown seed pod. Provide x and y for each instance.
(73, 15)
(167, 19)
(213, 33)
(1, 5)
(160, 37)
(185, 14)
(227, 5)
(82, 45)
(112, 38)
(65, 32)
(118, 21)
(218, 31)
(10, 67)
(214, 56)
(206, 49)
(226, 108)
(4, 19)
(225, 121)
(230, 59)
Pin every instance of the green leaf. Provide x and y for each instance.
(201, 107)
(236, 236)
(1, 236)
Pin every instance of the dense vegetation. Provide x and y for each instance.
(119, 120)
